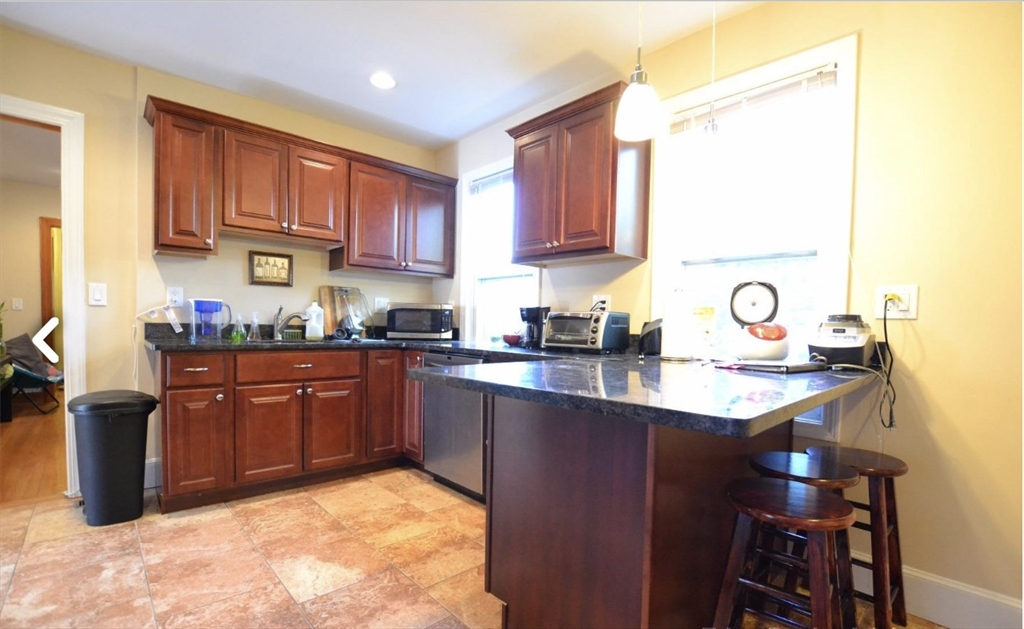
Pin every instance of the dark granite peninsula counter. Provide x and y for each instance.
(605, 481)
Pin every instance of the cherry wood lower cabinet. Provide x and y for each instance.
(413, 415)
(597, 521)
(198, 441)
(385, 373)
(332, 424)
(268, 431)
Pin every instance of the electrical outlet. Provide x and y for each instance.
(607, 299)
(904, 306)
(380, 304)
(17, 304)
(175, 296)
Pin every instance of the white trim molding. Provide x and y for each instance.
(72, 201)
(948, 602)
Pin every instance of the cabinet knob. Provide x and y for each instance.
(404, 264)
(209, 241)
(294, 227)
(220, 397)
(299, 392)
(554, 244)
(548, 245)
(309, 390)
(284, 225)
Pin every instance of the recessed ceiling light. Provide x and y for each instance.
(383, 80)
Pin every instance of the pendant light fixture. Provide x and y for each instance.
(711, 127)
(640, 116)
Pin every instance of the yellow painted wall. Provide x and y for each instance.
(21, 206)
(937, 203)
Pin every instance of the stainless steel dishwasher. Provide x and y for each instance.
(453, 428)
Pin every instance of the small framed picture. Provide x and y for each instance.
(270, 269)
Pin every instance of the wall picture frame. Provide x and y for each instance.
(270, 269)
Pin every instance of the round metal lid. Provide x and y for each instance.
(754, 302)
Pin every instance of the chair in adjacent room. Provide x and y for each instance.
(33, 374)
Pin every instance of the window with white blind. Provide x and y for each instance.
(495, 288)
(765, 195)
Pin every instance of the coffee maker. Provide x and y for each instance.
(533, 317)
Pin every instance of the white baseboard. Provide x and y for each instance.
(948, 602)
(152, 478)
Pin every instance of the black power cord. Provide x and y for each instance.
(887, 369)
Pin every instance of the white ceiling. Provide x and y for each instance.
(460, 65)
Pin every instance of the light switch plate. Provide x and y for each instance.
(380, 304)
(97, 294)
(17, 304)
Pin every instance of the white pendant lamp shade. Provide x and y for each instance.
(640, 116)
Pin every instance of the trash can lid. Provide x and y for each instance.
(116, 402)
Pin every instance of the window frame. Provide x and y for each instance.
(835, 255)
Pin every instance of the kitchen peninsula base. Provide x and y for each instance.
(597, 521)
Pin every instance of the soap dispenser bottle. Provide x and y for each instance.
(314, 323)
(254, 329)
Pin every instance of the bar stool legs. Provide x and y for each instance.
(886, 563)
(786, 504)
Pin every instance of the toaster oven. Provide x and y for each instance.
(591, 331)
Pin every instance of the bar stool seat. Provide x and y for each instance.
(823, 472)
(886, 563)
(787, 504)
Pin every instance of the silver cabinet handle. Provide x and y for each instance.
(220, 397)
(196, 369)
(309, 390)
(209, 241)
(299, 392)
(303, 366)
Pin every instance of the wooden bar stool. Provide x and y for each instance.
(791, 505)
(824, 473)
(886, 563)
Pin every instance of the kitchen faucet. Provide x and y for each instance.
(279, 323)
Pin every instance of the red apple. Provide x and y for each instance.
(768, 331)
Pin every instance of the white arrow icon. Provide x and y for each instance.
(38, 341)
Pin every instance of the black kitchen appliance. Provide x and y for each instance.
(533, 317)
(650, 339)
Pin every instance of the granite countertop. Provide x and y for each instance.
(692, 395)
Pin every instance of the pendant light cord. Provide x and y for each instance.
(640, 31)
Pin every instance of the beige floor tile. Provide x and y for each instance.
(296, 516)
(429, 496)
(192, 539)
(15, 517)
(382, 527)
(80, 596)
(177, 587)
(396, 478)
(468, 518)
(269, 607)
(12, 537)
(451, 622)
(153, 521)
(345, 500)
(435, 556)
(6, 572)
(54, 556)
(308, 570)
(464, 596)
(388, 600)
(58, 518)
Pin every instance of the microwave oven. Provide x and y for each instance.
(591, 331)
(419, 321)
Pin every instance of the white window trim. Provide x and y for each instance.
(835, 255)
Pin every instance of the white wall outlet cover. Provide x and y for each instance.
(380, 304)
(903, 307)
(175, 296)
(607, 299)
(97, 294)
(17, 304)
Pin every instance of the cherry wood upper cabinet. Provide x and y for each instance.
(400, 222)
(216, 173)
(187, 183)
(580, 193)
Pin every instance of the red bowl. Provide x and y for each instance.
(511, 339)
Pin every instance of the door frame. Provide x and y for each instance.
(72, 212)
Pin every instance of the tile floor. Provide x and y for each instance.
(388, 549)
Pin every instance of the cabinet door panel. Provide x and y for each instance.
(186, 183)
(384, 405)
(318, 192)
(268, 431)
(255, 171)
(413, 414)
(534, 168)
(200, 449)
(585, 185)
(430, 228)
(333, 424)
(376, 205)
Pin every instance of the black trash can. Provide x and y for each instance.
(110, 440)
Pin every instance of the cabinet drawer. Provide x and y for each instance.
(189, 370)
(296, 366)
